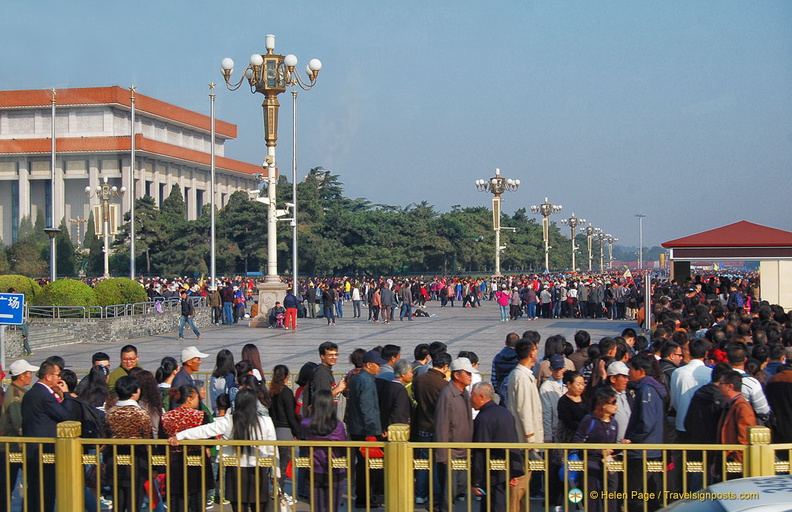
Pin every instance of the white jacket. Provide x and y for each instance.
(223, 426)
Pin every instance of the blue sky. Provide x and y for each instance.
(679, 109)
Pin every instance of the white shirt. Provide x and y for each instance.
(224, 426)
(685, 380)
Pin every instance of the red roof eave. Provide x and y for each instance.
(740, 234)
(117, 144)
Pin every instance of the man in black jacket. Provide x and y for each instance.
(493, 425)
(502, 365)
(187, 314)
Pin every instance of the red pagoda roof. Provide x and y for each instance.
(739, 234)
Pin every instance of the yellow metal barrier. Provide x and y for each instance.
(79, 465)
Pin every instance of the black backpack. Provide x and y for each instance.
(92, 419)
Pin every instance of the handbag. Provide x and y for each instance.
(372, 453)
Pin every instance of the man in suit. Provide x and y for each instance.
(46, 404)
(493, 425)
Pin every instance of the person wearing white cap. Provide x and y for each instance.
(618, 377)
(11, 421)
(453, 423)
(191, 362)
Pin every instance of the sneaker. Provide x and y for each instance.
(181, 338)
(420, 501)
(209, 504)
(106, 504)
(198, 337)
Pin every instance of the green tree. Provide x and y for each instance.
(25, 254)
(94, 264)
(64, 251)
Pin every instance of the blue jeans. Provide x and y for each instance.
(339, 305)
(229, 313)
(504, 311)
(328, 313)
(532, 310)
(185, 320)
(422, 475)
(406, 309)
(557, 308)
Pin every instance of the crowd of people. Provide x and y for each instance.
(706, 370)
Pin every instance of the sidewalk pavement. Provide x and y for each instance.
(476, 329)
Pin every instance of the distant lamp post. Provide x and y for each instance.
(270, 74)
(105, 192)
(611, 239)
(497, 185)
(545, 210)
(589, 231)
(78, 221)
(573, 222)
(52, 233)
(640, 239)
(601, 236)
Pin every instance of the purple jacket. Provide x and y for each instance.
(320, 454)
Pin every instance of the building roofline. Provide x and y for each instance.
(113, 95)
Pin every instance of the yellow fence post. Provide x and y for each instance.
(399, 491)
(68, 467)
(761, 458)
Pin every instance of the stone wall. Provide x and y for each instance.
(49, 332)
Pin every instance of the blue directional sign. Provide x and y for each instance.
(11, 307)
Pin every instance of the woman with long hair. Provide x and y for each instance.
(96, 391)
(185, 416)
(251, 353)
(150, 397)
(599, 427)
(246, 486)
(223, 376)
(323, 425)
(165, 374)
(287, 426)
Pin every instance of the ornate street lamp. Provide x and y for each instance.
(573, 222)
(601, 236)
(611, 239)
(105, 192)
(270, 74)
(497, 185)
(545, 210)
(589, 231)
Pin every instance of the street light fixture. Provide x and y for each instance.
(601, 236)
(589, 231)
(611, 239)
(497, 185)
(640, 239)
(573, 222)
(270, 74)
(545, 210)
(105, 192)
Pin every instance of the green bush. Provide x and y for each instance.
(21, 284)
(67, 292)
(119, 290)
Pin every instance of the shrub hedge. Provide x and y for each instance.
(67, 292)
(119, 290)
(21, 284)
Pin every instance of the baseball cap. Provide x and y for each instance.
(618, 368)
(21, 366)
(557, 362)
(372, 356)
(191, 352)
(462, 364)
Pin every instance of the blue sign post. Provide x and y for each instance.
(12, 305)
(12, 308)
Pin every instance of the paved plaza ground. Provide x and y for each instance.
(476, 329)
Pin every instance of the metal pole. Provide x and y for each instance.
(496, 225)
(212, 258)
(2, 349)
(295, 285)
(546, 229)
(573, 245)
(132, 190)
(106, 229)
(270, 106)
(640, 239)
(53, 260)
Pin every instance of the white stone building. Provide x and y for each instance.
(93, 141)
